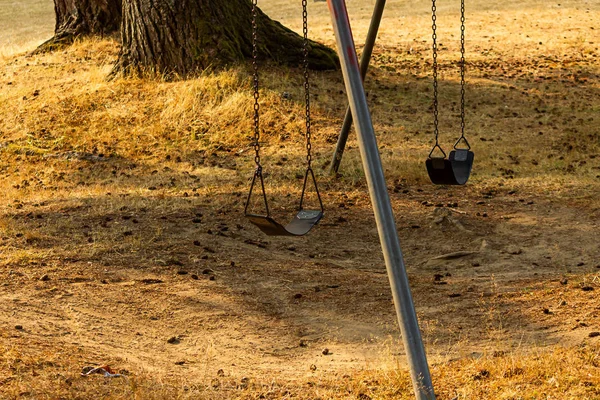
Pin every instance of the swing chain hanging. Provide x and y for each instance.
(306, 82)
(309, 171)
(304, 220)
(256, 143)
(435, 82)
(454, 169)
(462, 77)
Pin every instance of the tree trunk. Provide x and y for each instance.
(185, 36)
(75, 18)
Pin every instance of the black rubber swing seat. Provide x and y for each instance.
(302, 223)
(454, 170)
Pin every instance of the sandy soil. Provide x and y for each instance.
(498, 271)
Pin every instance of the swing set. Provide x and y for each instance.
(443, 169)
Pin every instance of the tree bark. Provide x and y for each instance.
(76, 18)
(181, 37)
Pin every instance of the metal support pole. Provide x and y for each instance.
(365, 59)
(386, 226)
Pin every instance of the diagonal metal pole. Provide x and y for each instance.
(365, 59)
(386, 226)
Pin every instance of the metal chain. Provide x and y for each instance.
(256, 93)
(306, 82)
(462, 74)
(435, 75)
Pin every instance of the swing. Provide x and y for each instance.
(304, 220)
(455, 168)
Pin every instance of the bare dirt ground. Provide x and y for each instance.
(249, 306)
(140, 258)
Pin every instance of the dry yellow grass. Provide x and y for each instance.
(106, 183)
(35, 372)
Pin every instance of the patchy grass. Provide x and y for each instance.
(121, 202)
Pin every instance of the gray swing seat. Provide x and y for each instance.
(302, 223)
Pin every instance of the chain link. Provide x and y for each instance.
(462, 71)
(306, 82)
(435, 75)
(255, 84)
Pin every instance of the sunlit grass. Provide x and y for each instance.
(80, 153)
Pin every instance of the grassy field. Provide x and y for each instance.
(123, 242)
(24, 24)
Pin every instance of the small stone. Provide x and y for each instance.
(313, 367)
(298, 296)
(173, 340)
(194, 277)
(44, 278)
(594, 334)
(514, 250)
(454, 295)
(546, 311)
(151, 281)
(179, 362)
(326, 352)
(212, 278)
(221, 373)
(207, 271)
(587, 288)
(303, 343)
(196, 243)
(564, 281)
(19, 327)
(182, 272)
(482, 374)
